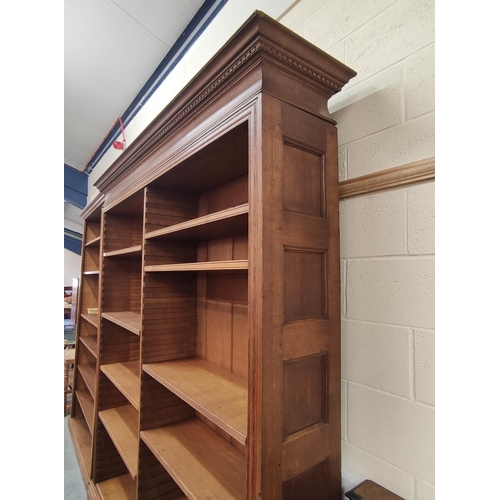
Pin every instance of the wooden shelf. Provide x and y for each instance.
(88, 374)
(218, 265)
(226, 223)
(83, 443)
(122, 487)
(90, 342)
(219, 395)
(134, 251)
(202, 463)
(126, 377)
(122, 425)
(91, 318)
(87, 405)
(94, 242)
(129, 320)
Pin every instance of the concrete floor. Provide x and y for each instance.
(74, 488)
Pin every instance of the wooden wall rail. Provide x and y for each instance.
(410, 173)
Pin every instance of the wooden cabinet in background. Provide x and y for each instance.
(212, 367)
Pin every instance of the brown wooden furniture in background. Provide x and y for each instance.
(369, 490)
(69, 361)
(212, 366)
(67, 301)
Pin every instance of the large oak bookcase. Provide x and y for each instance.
(211, 368)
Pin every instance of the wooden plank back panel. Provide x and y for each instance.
(226, 196)
(240, 247)
(154, 482)
(225, 335)
(218, 333)
(121, 284)
(220, 249)
(166, 208)
(109, 395)
(92, 230)
(168, 252)
(222, 303)
(117, 344)
(90, 292)
(81, 386)
(228, 287)
(91, 259)
(159, 406)
(108, 462)
(239, 348)
(87, 329)
(169, 316)
(85, 356)
(78, 412)
(216, 163)
(122, 231)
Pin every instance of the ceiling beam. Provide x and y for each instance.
(73, 241)
(75, 187)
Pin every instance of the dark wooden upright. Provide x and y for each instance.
(220, 285)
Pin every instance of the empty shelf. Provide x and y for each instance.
(90, 342)
(88, 374)
(83, 442)
(122, 426)
(200, 461)
(125, 376)
(219, 395)
(226, 223)
(134, 251)
(122, 487)
(129, 320)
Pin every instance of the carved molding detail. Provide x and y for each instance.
(333, 85)
(199, 98)
(222, 77)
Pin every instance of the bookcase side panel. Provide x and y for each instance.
(295, 414)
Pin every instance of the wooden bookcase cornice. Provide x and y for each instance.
(255, 45)
(93, 206)
(403, 175)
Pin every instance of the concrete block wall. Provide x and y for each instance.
(385, 119)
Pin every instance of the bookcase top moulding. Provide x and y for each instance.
(262, 56)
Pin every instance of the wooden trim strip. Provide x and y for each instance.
(410, 173)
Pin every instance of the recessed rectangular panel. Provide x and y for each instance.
(303, 187)
(304, 393)
(311, 484)
(304, 285)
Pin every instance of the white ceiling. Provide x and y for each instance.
(111, 48)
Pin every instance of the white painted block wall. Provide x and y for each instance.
(385, 119)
